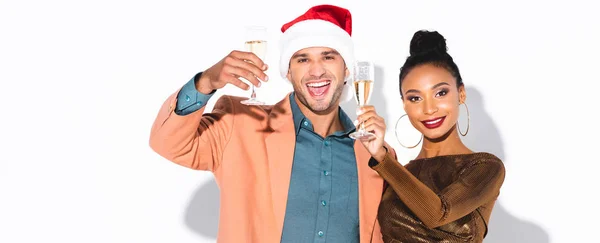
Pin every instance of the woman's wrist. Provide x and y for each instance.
(380, 154)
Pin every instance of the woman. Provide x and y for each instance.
(447, 193)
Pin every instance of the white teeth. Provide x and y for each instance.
(434, 121)
(319, 84)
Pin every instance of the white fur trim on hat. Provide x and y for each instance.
(317, 33)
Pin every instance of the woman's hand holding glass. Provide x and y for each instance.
(375, 124)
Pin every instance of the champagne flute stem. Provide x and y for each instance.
(361, 126)
(253, 96)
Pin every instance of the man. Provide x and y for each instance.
(288, 172)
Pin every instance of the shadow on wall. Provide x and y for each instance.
(202, 213)
(484, 136)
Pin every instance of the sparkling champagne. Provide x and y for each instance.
(255, 42)
(258, 47)
(363, 89)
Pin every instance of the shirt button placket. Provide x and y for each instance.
(325, 188)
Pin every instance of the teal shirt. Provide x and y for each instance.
(322, 201)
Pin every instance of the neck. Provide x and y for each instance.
(324, 123)
(448, 144)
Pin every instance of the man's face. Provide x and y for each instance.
(317, 74)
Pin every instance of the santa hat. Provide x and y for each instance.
(321, 26)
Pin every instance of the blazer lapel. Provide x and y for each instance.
(280, 144)
(370, 189)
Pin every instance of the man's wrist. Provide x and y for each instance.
(200, 81)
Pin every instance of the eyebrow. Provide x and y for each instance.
(324, 53)
(332, 52)
(434, 87)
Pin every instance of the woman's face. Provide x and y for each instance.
(431, 99)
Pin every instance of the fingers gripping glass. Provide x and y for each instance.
(256, 42)
(364, 75)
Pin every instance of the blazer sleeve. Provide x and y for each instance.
(194, 140)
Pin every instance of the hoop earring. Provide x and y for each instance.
(468, 121)
(398, 139)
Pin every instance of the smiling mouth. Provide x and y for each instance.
(433, 123)
(319, 88)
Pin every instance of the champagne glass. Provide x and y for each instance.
(364, 75)
(256, 42)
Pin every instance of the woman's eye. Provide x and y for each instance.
(414, 99)
(442, 93)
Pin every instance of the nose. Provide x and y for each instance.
(429, 107)
(316, 69)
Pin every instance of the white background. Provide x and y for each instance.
(82, 81)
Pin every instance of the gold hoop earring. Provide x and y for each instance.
(468, 121)
(398, 139)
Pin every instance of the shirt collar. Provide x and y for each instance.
(301, 120)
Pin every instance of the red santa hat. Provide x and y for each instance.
(321, 26)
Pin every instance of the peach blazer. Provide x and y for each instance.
(250, 151)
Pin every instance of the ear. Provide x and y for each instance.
(347, 74)
(289, 75)
(462, 94)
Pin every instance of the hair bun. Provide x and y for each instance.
(425, 42)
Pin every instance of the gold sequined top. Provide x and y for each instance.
(440, 199)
